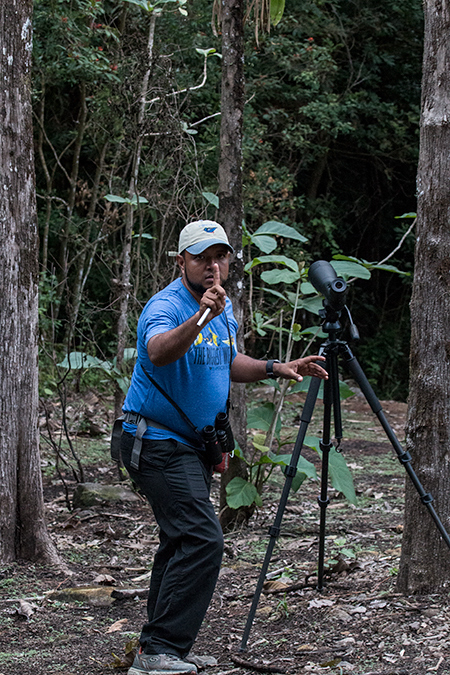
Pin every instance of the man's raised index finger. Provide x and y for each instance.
(216, 273)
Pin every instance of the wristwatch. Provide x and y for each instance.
(269, 368)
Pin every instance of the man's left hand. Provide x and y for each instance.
(296, 370)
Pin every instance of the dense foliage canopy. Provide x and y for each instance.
(330, 149)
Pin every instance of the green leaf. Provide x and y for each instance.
(312, 442)
(124, 200)
(242, 493)
(276, 11)
(134, 200)
(79, 360)
(344, 389)
(280, 276)
(391, 268)
(276, 259)
(130, 353)
(144, 235)
(262, 448)
(115, 198)
(305, 470)
(347, 269)
(124, 383)
(340, 476)
(307, 288)
(281, 230)
(312, 305)
(411, 214)
(211, 198)
(264, 243)
(275, 293)
(205, 52)
(371, 265)
(261, 417)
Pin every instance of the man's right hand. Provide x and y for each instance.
(213, 298)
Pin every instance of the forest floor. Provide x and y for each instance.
(358, 624)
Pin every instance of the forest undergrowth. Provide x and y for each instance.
(84, 620)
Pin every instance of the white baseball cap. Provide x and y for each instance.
(200, 235)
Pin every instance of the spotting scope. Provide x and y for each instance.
(325, 280)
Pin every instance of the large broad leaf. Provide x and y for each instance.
(280, 229)
(265, 243)
(307, 288)
(305, 470)
(280, 276)
(211, 198)
(115, 198)
(391, 268)
(302, 386)
(348, 269)
(242, 493)
(276, 11)
(344, 389)
(124, 384)
(275, 259)
(261, 417)
(373, 265)
(78, 360)
(312, 305)
(340, 476)
(126, 200)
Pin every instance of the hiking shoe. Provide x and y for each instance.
(160, 664)
(201, 661)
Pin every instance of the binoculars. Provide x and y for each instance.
(218, 439)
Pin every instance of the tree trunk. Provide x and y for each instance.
(425, 560)
(231, 211)
(23, 532)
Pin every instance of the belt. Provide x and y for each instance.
(141, 427)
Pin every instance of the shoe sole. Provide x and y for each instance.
(159, 671)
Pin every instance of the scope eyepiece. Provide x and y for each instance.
(325, 280)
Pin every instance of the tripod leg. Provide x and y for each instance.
(274, 531)
(403, 457)
(330, 400)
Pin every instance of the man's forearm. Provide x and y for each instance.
(246, 369)
(168, 347)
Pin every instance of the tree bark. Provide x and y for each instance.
(231, 212)
(425, 560)
(23, 533)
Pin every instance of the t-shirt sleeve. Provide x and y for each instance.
(160, 317)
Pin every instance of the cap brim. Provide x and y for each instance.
(195, 249)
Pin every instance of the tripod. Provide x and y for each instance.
(331, 349)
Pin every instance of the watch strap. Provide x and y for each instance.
(269, 368)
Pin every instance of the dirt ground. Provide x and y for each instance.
(358, 624)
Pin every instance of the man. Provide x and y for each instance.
(187, 357)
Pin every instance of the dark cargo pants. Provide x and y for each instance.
(186, 566)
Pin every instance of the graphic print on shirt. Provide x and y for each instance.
(211, 350)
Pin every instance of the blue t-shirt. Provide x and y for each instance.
(198, 382)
